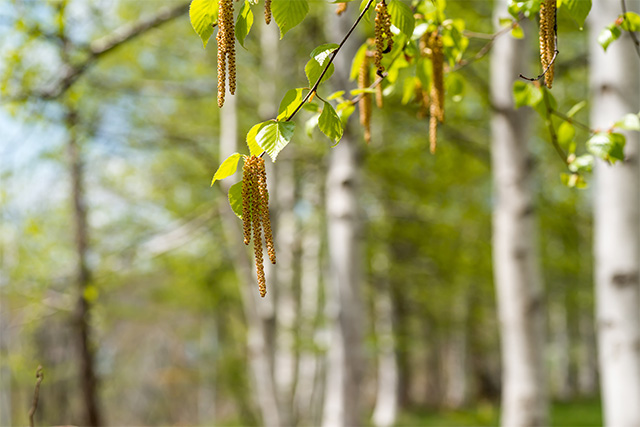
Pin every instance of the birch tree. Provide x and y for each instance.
(614, 81)
(515, 260)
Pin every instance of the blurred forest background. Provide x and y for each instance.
(115, 249)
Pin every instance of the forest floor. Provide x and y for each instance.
(579, 413)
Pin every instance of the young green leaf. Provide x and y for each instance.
(227, 168)
(607, 146)
(578, 10)
(329, 123)
(254, 148)
(203, 15)
(289, 103)
(566, 133)
(402, 17)
(629, 122)
(235, 199)
(288, 13)
(357, 61)
(244, 22)
(582, 163)
(631, 22)
(274, 136)
(526, 94)
(609, 35)
(313, 70)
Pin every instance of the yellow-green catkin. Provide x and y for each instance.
(364, 105)
(436, 109)
(231, 47)
(547, 38)
(226, 49)
(267, 11)
(248, 197)
(263, 195)
(382, 34)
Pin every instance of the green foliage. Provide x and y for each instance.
(252, 143)
(289, 13)
(402, 17)
(609, 35)
(235, 198)
(273, 136)
(629, 122)
(329, 123)
(244, 22)
(227, 168)
(203, 15)
(315, 66)
(577, 9)
(607, 146)
(289, 103)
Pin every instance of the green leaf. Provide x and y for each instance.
(274, 136)
(526, 94)
(573, 180)
(582, 163)
(345, 109)
(578, 10)
(402, 17)
(576, 108)
(288, 13)
(608, 36)
(631, 22)
(329, 123)
(607, 146)
(244, 23)
(313, 70)
(629, 122)
(254, 148)
(566, 133)
(311, 124)
(227, 168)
(203, 14)
(335, 95)
(289, 103)
(517, 32)
(322, 52)
(235, 198)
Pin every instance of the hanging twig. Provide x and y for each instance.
(330, 61)
(36, 394)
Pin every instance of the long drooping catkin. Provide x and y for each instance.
(547, 38)
(226, 49)
(248, 196)
(382, 34)
(267, 11)
(437, 76)
(364, 105)
(263, 205)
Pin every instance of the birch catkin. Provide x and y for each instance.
(364, 105)
(267, 11)
(255, 215)
(226, 49)
(382, 34)
(547, 38)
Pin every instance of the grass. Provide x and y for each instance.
(579, 413)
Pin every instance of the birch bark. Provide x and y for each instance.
(615, 85)
(515, 261)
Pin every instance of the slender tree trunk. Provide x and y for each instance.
(306, 392)
(457, 372)
(344, 293)
(587, 371)
(258, 311)
(82, 312)
(386, 408)
(515, 261)
(615, 87)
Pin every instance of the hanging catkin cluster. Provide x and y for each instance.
(267, 11)
(383, 33)
(547, 38)
(431, 44)
(226, 49)
(364, 105)
(255, 214)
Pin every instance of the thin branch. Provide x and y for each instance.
(572, 121)
(36, 394)
(487, 47)
(106, 44)
(331, 58)
(636, 43)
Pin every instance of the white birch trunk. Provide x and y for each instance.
(615, 86)
(386, 408)
(257, 310)
(306, 392)
(344, 293)
(515, 261)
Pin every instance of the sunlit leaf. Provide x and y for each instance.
(274, 136)
(607, 146)
(244, 23)
(402, 17)
(235, 198)
(329, 123)
(203, 15)
(629, 122)
(288, 13)
(289, 103)
(227, 168)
